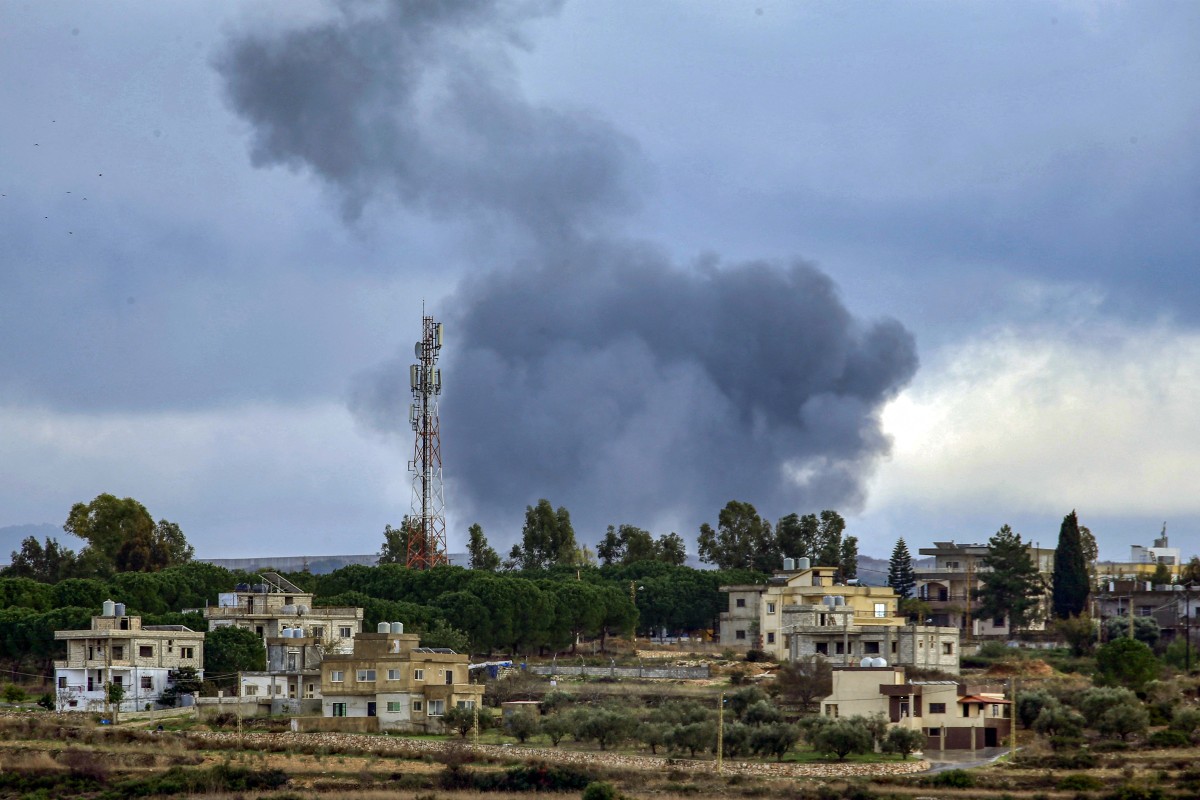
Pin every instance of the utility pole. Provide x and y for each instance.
(720, 732)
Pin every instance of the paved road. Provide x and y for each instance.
(962, 759)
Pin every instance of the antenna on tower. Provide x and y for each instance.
(427, 522)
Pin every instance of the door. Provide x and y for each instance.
(371, 708)
(990, 738)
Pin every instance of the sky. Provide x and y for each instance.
(930, 264)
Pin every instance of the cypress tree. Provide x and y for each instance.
(1071, 585)
(900, 570)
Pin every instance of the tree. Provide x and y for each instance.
(47, 564)
(848, 559)
(482, 555)
(1030, 705)
(555, 727)
(1145, 629)
(671, 549)
(1055, 719)
(1070, 585)
(1191, 571)
(903, 741)
(900, 570)
(693, 737)
(1079, 633)
(802, 681)
(1088, 543)
(1162, 575)
(841, 737)
(830, 527)
(743, 540)
(230, 650)
(187, 681)
(1013, 586)
(460, 719)
(1126, 662)
(522, 725)
(547, 539)
(774, 739)
(1124, 719)
(610, 550)
(605, 726)
(122, 536)
(394, 549)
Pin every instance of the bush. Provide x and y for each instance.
(600, 790)
(758, 655)
(953, 779)
(1080, 783)
(1130, 792)
(1169, 738)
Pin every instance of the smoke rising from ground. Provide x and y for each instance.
(593, 372)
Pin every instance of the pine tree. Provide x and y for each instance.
(900, 570)
(1012, 588)
(1071, 585)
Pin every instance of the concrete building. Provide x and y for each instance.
(801, 611)
(947, 587)
(1160, 553)
(952, 715)
(118, 649)
(275, 605)
(1176, 608)
(389, 676)
(291, 683)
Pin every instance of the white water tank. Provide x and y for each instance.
(828, 600)
(838, 600)
(789, 564)
(878, 661)
(803, 563)
(110, 609)
(867, 662)
(383, 627)
(289, 610)
(397, 627)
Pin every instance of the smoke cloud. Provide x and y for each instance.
(592, 370)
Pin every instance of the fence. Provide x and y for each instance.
(678, 673)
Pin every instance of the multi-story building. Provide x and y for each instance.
(1176, 608)
(291, 683)
(391, 677)
(1143, 562)
(118, 649)
(802, 610)
(952, 715)
(275, 604)
(948, 584)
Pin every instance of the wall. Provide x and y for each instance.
(625, 672)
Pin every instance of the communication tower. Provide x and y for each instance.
(427, 522)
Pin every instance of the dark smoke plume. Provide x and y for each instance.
(594, 372)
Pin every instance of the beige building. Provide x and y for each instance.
(118, 649)
(953, 715)
(947, 587)
(803, 611)
(276, 608)
(391, 677)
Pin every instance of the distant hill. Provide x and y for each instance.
(11, 536)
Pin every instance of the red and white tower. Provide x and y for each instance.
(427, 522)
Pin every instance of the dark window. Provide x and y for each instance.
(937, 708)
(770, 638)
(740, 602)
(841, 650)
(870, 647)
(739, 634)
(823, 648)
(146, 652)
(339, 709)
(998, 621)
(449, 677)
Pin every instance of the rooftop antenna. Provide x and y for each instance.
(427, 522)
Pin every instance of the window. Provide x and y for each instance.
(250, 690)
(771, 638)
(365, 675)
(318, 631)
(998, 622)
(62, 682)
(870, 648)
(417, 705)
(831, 710)
(146, 651)
(90, 685)
(893, 648)
(937, 708)
(449, 677)
(394, 707)
(418, 674)
(1145, 611)
(345, 632)
(147, 682)
(339, 709)
(935, 733)
(740, 602)
(337, 676)
(947, 648)
(118, 652)
(881, 609)
(119, 680)
(91, 653)
(310, 691)
(840, 648)
(739, 634)
(187, 652)
(258, 629)
(823, 648)
(465, 704)
(437, 708)
(393, 674)
(770, 608)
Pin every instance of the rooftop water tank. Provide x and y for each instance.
(878, 661)
(828, 600)
(789, 564)
(242, 587)
(397, 627)
(109, 608)
(867, 662)
(118, 609)
(383, 627)
(838, 600)
(288, 610)
(301, 609)
(803, 563)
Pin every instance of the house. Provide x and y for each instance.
(291, 683)
(118, 649)
(389, 676)
(948, 584)
(1175, 607)
(1143, 562)
(275, 604)
(802, 610)
(953, 715)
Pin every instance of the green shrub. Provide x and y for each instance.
(1131, 792)
(1080, 783)
(1114, 746)
(1169, 739)
(953, 779)
(600, 790)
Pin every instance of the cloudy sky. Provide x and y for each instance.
(931, 264)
